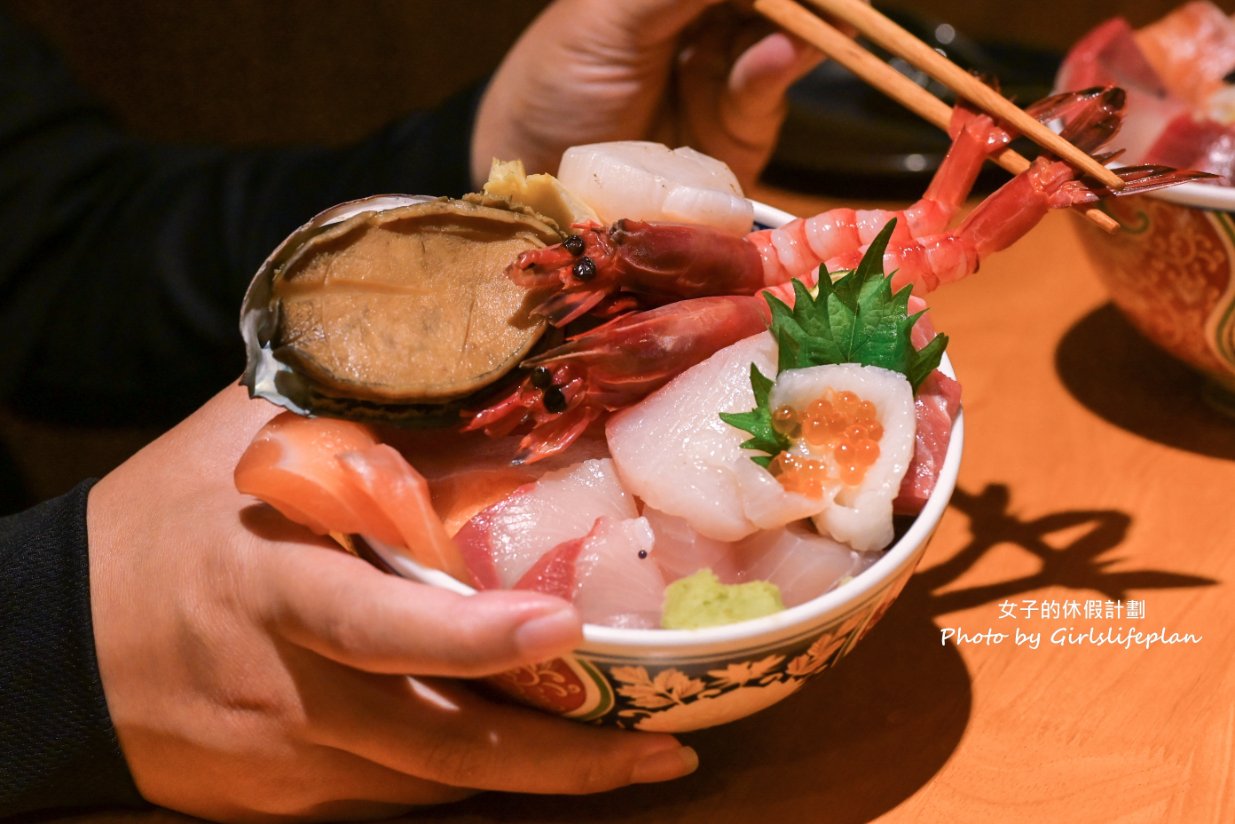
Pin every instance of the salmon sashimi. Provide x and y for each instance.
(334, 477)
(290, 464)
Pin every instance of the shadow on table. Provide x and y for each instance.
(1120, 376)
(869, 734)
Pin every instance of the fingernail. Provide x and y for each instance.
(664, 765)
(551, 634)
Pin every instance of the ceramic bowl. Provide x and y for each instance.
(1170, 272)
(681, 680)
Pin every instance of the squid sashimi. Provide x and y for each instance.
(852, 441)
(673, 451)
(502, 542)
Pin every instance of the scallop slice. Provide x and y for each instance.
(852, 429)
(649, 181)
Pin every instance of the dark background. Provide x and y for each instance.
(291, 70)
(255, 72)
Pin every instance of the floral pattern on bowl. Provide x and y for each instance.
(1169, 271)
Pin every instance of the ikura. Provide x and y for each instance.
(840, 432)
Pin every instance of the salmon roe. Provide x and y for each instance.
(839, 425)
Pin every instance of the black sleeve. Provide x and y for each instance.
(123, 262)
(57, 745)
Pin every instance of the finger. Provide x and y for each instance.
(765, 71)
(349, 612)
(446, 733)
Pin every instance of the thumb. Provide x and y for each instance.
(343, 609)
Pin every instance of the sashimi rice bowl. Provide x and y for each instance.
(1171, 269)
(724, 433)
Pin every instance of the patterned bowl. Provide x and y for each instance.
(1170, 273)
(680, 680)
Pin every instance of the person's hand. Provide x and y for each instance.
(256, 672)
(680, 72)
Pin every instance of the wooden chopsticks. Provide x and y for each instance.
(842, 48)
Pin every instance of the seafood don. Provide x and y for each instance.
(769, 399)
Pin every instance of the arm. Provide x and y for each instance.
(57, 746)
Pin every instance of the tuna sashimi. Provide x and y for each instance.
(1179, 105)
(503, 541)
(936, 405)
(1192, 49)
(1110, 56)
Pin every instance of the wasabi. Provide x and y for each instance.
(701, 600)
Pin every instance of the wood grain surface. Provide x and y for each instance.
(1093, 473)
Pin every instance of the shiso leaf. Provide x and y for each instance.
(854, 317)
(758, 421)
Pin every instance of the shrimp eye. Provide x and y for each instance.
(584, 269)
(541, 377)
(574, 244)
(555, 401)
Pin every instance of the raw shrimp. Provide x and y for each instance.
(618, 273)
(635, 264)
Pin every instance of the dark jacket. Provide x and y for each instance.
(122, 266)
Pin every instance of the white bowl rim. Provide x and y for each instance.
(1200, 195)
(666, 643)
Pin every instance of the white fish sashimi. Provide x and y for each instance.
(802, 563)
(503, 541)
(682, 551)
(617, 581)
(649, 181)
(674, 452)
(859, 514)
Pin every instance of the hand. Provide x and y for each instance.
(255, 671)
(680, 72)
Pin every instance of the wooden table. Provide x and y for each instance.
(1093, 475)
